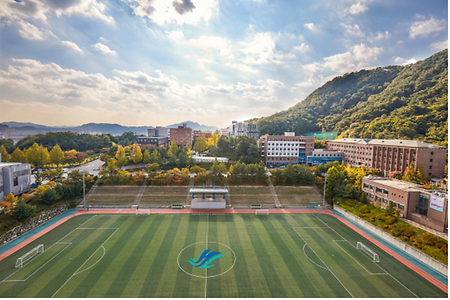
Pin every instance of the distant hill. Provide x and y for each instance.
(114, 129)
(405, 102)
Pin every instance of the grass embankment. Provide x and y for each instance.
(388, 221)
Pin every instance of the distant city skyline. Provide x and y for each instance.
(158, 62)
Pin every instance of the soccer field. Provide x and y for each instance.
(276, 255)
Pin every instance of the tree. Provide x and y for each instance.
(38, 177)
(150, 168)
(215, 167)
(120, 157)
(146, 158)
(52, 175)
(9, 203)
(22, 210)
(33, 154)
(56, 155)
(50, 196)
(18, 156)
(155, 157)
(136, 153)
(112, 165)
(420, 175)
(409, 174)
(45, 156)
(200, 144)
(173, 150)
(4, 156)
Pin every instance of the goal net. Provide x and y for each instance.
(142, 211)
(369, 252)
(262, 212)
(29, 255)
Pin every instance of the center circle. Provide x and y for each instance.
(194, 251)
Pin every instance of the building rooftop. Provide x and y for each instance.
(398, 143)
(8, 164)
(399, 184)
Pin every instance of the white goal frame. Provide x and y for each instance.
(261, 212)
(374, 256)
(29, 255)
(142, 211)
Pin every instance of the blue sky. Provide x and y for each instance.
(159, 62)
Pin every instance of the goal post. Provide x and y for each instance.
(369, 252)
(262, 212)
(142, 211)
(29, 255)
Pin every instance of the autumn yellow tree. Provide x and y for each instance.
(56, 155)
(4, 154)
(9, 203)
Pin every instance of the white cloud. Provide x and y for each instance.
(353, 30)
(303, 48)
(357, 8)
(438, 46)
(42, 9)
(72, 45)
(164, 11)
(424, 28)
(358, 57)
(99, 47)
(132, 97)
(404, 61)
(311, 26)
(30, 32)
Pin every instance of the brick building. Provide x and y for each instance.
(323, 156)
(182, 136)
(392, 155)
(429, 208)
(279, 150)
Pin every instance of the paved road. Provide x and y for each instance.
(88, 167)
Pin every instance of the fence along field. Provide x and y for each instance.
(276, 255)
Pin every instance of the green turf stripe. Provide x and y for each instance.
(264, 258)
(82, 284)
(325, 284)
(283, 261)
(240, 270)
(121, 257)
(153, 276)
(65, 265)
(351, 276)
(213, 284)
(183, 280)
(228, 284)
(32, 286)
(197, 285)
(132, 266)
(168, 275)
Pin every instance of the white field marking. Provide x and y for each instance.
(311, 227)
(104, 252)
(343, 238)
(6, 279)
(311, 259)
(399, 282)
(335, 241)
(378, 265)
(77, 271)
(325, 264)
(57, 242)
(206, 270)
(178, 260)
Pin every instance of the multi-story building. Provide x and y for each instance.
(279, 150)
(15, 178)
(392, 155)
(182, 136)
(158, 131)
(198, 133)
(323, 156)
(423, 206)
(152, 141)
(243, 129)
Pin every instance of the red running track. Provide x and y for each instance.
(407, 263)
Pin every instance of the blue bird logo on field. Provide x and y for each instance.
(205, 260)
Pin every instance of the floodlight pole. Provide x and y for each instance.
(325, 175)
(84, 193)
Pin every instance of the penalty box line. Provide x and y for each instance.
(60, 251)
(78, 270)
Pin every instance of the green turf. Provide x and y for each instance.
(277, 255)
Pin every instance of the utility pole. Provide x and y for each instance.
(325, 175)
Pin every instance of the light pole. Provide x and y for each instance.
(84, 191)
(325, 175)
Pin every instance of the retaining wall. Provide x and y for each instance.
(428, 260)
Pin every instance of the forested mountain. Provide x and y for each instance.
(404, 102)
